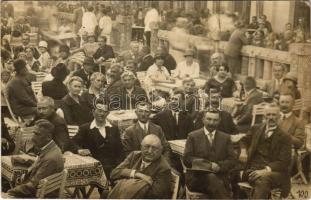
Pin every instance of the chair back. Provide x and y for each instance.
(52, 183)
(175, 185)
(297, 105)
(72, 130)
(5, 95)
(23, 138)
(258, 109)
(36, 86)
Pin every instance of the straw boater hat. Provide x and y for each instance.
(291, 76)
(189, 52)
(43, 44)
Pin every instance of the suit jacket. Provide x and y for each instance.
(198, 146)
(21, 97)
(106, 52)
(50, 161)
(173, 131)
(107, 150)
(158, 170)
(74, 113)
(121, 95)
(134, 134)
(60, 134)
(54, 89)
(271, 88)
(280, 156)
(85, 77)
(145, 63)
(295, 128)
(235, 43)
(244, 112)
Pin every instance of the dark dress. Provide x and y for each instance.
(75, 113)
(54, 89)
(226, 88)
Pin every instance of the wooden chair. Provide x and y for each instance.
(297, 105)
(10, 109)
(72, 130)
(52, 183)
(257, 110)
(22, 138)
(36, 86)
(175, 185)
(301, 154)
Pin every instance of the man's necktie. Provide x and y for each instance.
(145, 128)
(210, 137)
(175, 117)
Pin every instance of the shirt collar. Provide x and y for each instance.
(94, 125)
(129, 90)
(206, 132)
(286, 115)
(143, 124)
(250, 91)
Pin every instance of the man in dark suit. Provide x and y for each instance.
(25, 44)
(134, 134)
(128, 95)
(226, 123)
(268, 156)
(272, 87)
(86, 71)
(100, 139)
(50, 161)
(104, 52)
(20, 95)
(174, 121)
(212, 149)
(289, 123)
(147, 165)
(243, 114)
(46, 110)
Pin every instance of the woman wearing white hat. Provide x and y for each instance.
(44, 59)
(188, 67)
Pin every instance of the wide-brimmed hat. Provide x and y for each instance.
(201, 165)
(159, 55)
(189, 52)
(291, 76)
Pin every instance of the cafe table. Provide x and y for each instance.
(83, 171)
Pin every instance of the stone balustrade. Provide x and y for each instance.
(256, 61)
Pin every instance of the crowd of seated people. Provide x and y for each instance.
(140, 157)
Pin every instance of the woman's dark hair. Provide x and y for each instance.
(224, 65)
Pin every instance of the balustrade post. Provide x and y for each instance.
(300, 63)
(244, 65)
(267, 70)
(154, 40)
(259, 68)
(252, 65)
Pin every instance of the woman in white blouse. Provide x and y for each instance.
(188, 67)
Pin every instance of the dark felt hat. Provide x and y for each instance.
(60, 70)
(64, 48)
(201, 165)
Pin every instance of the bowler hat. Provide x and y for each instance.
(189, 52)
(64, 48)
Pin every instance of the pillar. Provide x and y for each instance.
(300, 63)
(267, 70)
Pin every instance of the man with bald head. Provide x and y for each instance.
(50, 161)
(149, 167)
(268, 156)
(46, 110)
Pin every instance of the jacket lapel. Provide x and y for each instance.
(255, 141)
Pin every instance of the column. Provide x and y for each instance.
(300, 63)
(267, 70)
